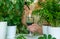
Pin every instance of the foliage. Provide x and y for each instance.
(41, 37)
(50, 11)
(1, 11)
(21, 37)
(23, 30)
(46, 37)
(12, 11)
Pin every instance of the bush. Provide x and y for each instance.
(50, 11)
(12, 11)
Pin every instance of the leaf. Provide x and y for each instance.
(53, 38)
(49, 36)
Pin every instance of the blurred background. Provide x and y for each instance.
(45, 12)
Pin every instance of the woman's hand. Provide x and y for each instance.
(35, 28)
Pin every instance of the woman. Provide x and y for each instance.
(34, 27)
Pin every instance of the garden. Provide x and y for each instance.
(11, 12)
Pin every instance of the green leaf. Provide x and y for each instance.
(49, 36)
(41, 38)
(45, 36)
(53, 38)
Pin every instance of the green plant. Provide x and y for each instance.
(21, 37)
(46, 37)
(1, 17)
(12, 11)
(52, 8)
(41, 38)
(49, 36)
(1, 10)
(53, 38)
(50, 11)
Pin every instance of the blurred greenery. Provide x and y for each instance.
(12, 11)
(40, 37)
(21, 37)
(46, 37)
(50, 11)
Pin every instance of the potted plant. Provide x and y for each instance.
(51, 12)
(3, 27)
(13, 15)
(39, 16)
(11, 11)
(39, 19)
(3, 23)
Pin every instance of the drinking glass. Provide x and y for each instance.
(29, 21)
